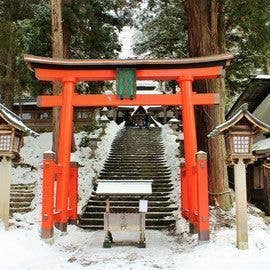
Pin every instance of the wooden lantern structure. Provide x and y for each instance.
(104, 120)
(12, 130)
(239, 132)
(174, 124)
(93, 143)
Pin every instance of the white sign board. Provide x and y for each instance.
(143, 206)
(110, 187)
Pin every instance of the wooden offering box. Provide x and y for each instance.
(125, 221)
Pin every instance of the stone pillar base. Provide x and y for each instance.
(73, 222)
(204, 236)
(46, 233)
(193, 228)
(61, 226)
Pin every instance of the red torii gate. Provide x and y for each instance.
(195, 206)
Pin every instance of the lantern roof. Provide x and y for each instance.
(105, 109)
(242, 113)
(14, 120)
(174, 120)
(104, 118)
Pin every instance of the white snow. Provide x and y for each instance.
(174, 120)
(126, 39)
(261, 77)
(79, 249)
(262, 145)
(21, 247)
(148, 83)
(172, 153)
(149, 92)
(139, 187)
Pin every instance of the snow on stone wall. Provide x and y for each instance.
(32, 154)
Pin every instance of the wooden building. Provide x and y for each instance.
(40, 119)
(257, 95)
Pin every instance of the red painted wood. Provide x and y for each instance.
(190, 144)
(147, 74)
(73, 192)
(48, 198)
(140, 100)
(184, 194)
(186, 98)
(203, 200)
(66, 130)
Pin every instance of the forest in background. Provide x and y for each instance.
(91, 29)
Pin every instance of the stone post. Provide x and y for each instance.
(241, 204)
(5, 182)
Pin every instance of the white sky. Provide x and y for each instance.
(126, 40)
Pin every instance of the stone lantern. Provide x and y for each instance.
(174, 124)
(104, 120)
(12, 130)
(239, 132)
(93, 143)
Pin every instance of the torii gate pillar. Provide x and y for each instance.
(190, 146)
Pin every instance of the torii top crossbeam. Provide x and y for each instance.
(146, 69)
(51, 69)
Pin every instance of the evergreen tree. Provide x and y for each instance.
(90, 31)
(163, 25)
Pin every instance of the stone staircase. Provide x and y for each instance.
(21, 197)
(135, 154)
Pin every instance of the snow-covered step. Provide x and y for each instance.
(21, 197)
(148, 222)
(101, 227)
(135, 154)
(154, 215)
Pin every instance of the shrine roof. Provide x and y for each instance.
(255, 93)
(242, 112)
(262, 146)
(15, 121)
(222, 60)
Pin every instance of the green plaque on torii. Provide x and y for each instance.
(126, 82)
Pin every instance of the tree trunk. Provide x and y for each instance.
(8, 83)
(206, 36)
(57, 52)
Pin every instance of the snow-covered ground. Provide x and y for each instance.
(21, 247)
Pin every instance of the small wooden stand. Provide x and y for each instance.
(125, 221)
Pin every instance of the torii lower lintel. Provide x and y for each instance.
(97, 100)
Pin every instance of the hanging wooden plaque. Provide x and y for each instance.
(126, 82)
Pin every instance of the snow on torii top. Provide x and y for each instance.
(14, 120)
